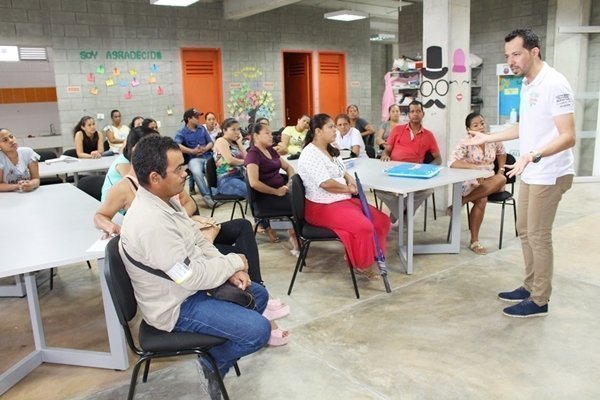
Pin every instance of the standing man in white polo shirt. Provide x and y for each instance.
(546, 133)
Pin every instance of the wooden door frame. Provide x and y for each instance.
(311, 81)
(219, 76)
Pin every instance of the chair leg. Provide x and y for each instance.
(233, 210)
(501, 225)
(515, 213)
(468, 215)
(51, 278)
(89, 265)
(212, 213)
(433, 204)
(353, 275)
(237, 369)
(303, 250)
(304, 258)
(242, 209)
(425, 216)
(134, 375)
(146, 370)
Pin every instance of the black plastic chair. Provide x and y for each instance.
(48, 155)
(70, 153)
(505, 197)
(92, 185)
(106, 145)
(261, 215)
(307, 233)
(152, 342)
(218, 199)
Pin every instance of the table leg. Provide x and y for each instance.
(456, 220)
(410, 237)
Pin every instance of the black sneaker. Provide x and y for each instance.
(515, 296)
(214, 389)
(525, 309)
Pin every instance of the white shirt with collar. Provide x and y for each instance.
(350, 139)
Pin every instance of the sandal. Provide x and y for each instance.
(279, 337)
(367, 273)
(273, 312)
(477, 248)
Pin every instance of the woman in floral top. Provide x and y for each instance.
(229, 158)
(476, 191)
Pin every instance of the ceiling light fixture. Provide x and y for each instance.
(380, 37)
(176, 3)
(346, 15)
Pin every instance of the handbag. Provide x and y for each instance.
(208, 228)
(225, 292)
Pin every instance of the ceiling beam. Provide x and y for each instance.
(238, 9)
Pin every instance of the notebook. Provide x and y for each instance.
(410, 170)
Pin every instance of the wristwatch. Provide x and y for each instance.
(536, 156)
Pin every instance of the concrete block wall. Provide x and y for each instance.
(590, 118)
(490, 22)
(381, 62)
(72, 26)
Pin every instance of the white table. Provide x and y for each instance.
(51, 227)
(371, 175)
(75, 167)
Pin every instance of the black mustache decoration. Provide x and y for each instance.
(435, 102)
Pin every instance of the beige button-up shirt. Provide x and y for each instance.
(162, 236)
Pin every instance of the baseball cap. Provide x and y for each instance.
(190, 113)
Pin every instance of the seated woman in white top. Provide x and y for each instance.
(349, 138)
(18, 165)
(329, 202)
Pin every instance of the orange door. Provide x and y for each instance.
(202, 82)
(332, 83)
(297, 70)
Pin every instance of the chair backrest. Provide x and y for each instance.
(370, 150)
(428, 159)
(510, 159)
(106, 145)
(92, 185)
(70, 153)
(45, 155)
(298, 198)
(119, 283)
(251, 198)
(211, 172)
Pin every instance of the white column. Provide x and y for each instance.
(446, 23)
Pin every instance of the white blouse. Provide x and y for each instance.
(315, 167)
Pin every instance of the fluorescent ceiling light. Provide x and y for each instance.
(346, 15)
(382, 37)
(176, 3)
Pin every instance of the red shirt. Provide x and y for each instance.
(411, 150)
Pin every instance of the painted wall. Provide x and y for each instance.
(73, 26)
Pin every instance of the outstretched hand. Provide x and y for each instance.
(476, 138)
(519, 166)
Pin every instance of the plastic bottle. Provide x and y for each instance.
(513, 116)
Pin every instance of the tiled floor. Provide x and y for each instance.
(439, 335)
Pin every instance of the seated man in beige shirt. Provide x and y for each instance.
(158, 233)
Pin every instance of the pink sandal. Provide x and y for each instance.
(276, 310)
(278, 338)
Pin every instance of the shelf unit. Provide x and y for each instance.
(406, 85)
(476, 84)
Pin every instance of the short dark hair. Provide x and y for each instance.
(112, 113)
(342, 115)
(530, 39)
(133, 121)
(471, 117)
(415, 103)
(150, 155)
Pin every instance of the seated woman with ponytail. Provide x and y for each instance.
(329, 202)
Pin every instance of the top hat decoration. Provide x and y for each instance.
(433, 67)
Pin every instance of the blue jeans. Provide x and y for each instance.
(232, 185)
(247, 330)
(197, 167)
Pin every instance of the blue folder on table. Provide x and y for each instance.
(410, 170)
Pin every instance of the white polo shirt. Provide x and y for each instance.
(547, 96)
(352, 138)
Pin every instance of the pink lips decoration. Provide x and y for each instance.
(459, 97)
